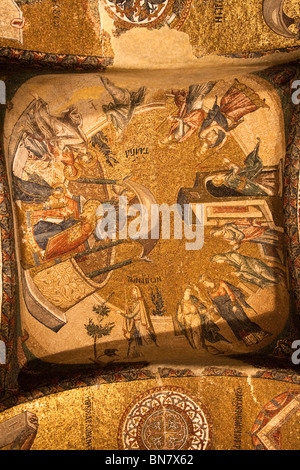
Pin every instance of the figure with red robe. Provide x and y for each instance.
(190, 113)
(67, 235)
(230, 304)
(241, 231)
(239, 101)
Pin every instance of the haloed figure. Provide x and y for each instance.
(241, 231)
(137, 325)
(188, 317)
(250, 179)
(230, 304)
(250, 269)
(192, 318)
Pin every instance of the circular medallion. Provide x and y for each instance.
(148, 14)
(140, 12)
(164, 419)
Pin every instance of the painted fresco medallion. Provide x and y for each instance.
(166, 419)
(149, 14)
(139, 12)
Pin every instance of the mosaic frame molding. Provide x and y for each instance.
(56, 61)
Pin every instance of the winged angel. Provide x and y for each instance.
(123, 105)
(189, 114)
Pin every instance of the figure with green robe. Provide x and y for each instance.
(250, 269)
(249, 179)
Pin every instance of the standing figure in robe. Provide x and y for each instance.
(230, 304)
(192, 320)
(137, 325)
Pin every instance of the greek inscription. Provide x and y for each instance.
(136, 152)
(88, 409)
(56, 13)
(143, 279)
(218, 10)
(238, 419)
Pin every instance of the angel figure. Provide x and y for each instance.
(190, 113)
(121, 110)
(40, 132)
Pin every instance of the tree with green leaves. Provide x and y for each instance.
(99, 329)
(158, 302)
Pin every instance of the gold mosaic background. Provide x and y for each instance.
(129, 32)
(89, 418)
(164, 168)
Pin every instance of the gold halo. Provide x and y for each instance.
(68, 174)
(94, 158)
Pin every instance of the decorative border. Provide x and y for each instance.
(270, 414)
(291, 203)
(131, 373)
(282, 80)
(9, 55)
(258, 54)
(8, 330)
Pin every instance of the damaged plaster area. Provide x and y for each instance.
(140, 48)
